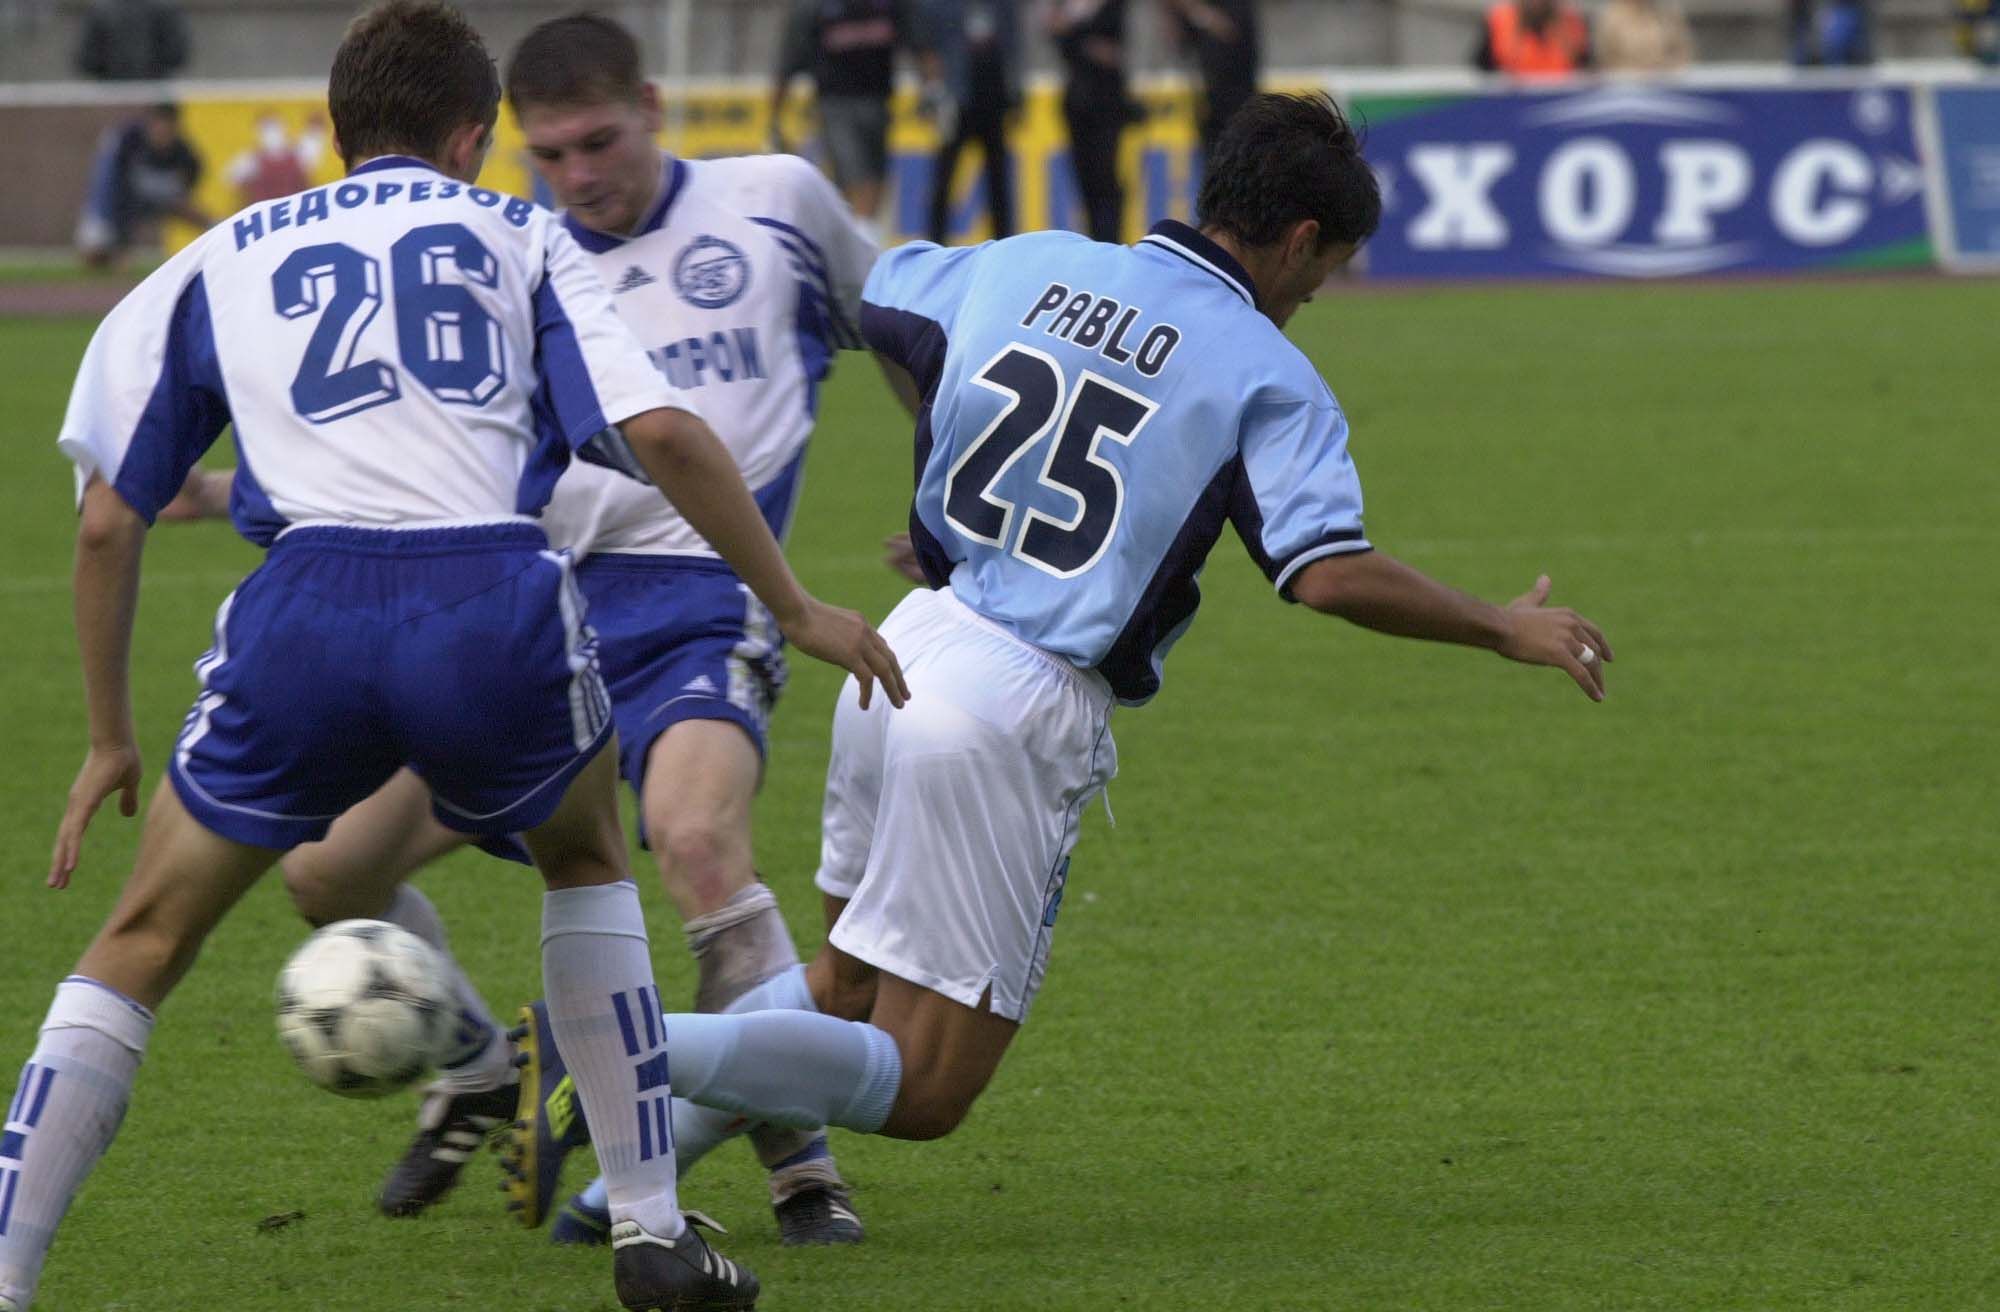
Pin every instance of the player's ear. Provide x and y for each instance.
(649, 105)
(1302, 243)
(465, 150)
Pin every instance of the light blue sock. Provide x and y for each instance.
(843, 1063)
(792, 1068)
(595, 1197)
(784, 991)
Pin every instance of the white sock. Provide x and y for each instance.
(481, 1058)
(604, 1009)
(62, 1117)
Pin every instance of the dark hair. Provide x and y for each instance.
(578, 59)
(408, 74)
(1283, 159)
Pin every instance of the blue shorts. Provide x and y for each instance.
(462, 652)
(680, 638)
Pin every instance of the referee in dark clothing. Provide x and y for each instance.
(1224, 36)
(1090, 35)
(976, 45)
(849, 47)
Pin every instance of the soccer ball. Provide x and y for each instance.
(365, 1008)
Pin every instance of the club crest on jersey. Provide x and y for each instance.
(711, 273)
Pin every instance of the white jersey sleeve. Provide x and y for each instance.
(149, 397)
(828, 245)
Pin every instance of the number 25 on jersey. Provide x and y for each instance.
(1040, 401)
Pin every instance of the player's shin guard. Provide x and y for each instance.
(737, 947)
(480, 1058)
(62, 1117)
(603, 1009)
(792, 1068)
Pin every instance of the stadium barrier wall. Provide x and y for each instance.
(1750, 169)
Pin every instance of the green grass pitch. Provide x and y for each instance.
(1407, 979)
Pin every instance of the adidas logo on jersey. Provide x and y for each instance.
(633, 279)
(701, 683)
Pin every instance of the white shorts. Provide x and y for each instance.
(948, 824)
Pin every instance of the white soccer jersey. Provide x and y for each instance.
(394, 349)
(742, 281)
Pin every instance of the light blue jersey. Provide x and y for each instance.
(1093, 415)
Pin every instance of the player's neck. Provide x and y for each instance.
(1255, 262)
(662, 174)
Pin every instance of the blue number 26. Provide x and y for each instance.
(447, 340)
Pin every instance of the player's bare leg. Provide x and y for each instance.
(700, 784)
(841, 985)
(361, 869)
(601, 1006)
(74, 1088)
(950, 1052)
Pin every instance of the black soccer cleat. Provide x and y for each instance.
(682, 1274)
(548, 1124)
(452, 1128)
(813, 1207)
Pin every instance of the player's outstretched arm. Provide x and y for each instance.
(1379, 592)
(686, 462)
(110, 537)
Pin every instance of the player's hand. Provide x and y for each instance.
(843, 638)
(900, 554)
(1542, 634)
(105, 771)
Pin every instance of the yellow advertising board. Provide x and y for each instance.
(254, 145)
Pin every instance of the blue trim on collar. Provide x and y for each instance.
(1194, 243)
(599, 242)
(381, 162)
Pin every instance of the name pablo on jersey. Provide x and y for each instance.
(1084, 319)
(315, 205)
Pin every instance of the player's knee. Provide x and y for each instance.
(700, 853)
(928, 1108)
(310, 883)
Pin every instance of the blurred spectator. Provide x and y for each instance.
(976, 46)
(1976, 28)
(145, 172)
(1224, 36)
(132, 41)
(1642, 36)
(849, 48)
(1090, 36)
(1533, 39)
(278, 165)
(1840, 32)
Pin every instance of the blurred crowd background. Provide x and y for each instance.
(940, 118)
